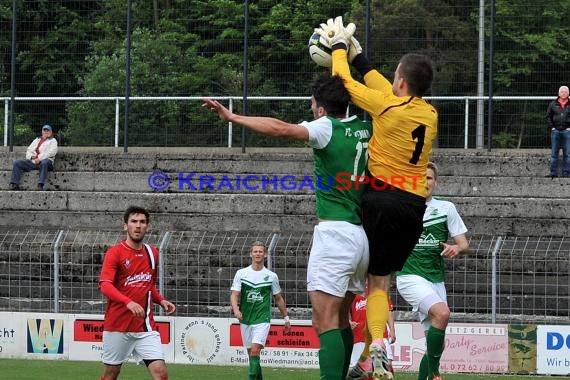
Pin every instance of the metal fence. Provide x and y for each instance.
(233, 48)
(502, 279)
(519, 121)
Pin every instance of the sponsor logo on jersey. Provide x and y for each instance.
(139, 277)
(254, 296)
(427, 241)
(359, 305)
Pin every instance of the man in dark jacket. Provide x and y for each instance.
(558, 118)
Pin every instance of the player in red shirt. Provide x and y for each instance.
(128, 280)
(360, 362)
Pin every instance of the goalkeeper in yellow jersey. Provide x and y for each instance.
(393, 205)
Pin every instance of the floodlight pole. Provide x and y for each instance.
(245, 69)
(480, 127)
(12, 79)
(127, 76)
(491, 79)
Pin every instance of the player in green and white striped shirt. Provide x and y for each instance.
(421, 280)
(252, 290)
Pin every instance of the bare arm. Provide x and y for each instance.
(265, 125)
(280, 302)
(234, 298)
(452, 250)
(392, 334)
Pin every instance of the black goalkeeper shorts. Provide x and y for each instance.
(393, 221)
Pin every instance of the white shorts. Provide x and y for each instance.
(254, 334)
(389, 351)
(421, 294)
(339, 259)
(118, 346)
(356, 352)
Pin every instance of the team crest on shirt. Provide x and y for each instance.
(266, 278)
(433, 211)
(127, 263)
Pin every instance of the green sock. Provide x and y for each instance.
(434, 341)
(331, 355)
(348, 340)
(254, 368)
(423, 371)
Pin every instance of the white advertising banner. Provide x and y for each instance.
(12, 335)
(553, 350)
(473, 347)
(299, 348)
(33, 335)
(201, 340)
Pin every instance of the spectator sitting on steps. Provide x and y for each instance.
(39, 156)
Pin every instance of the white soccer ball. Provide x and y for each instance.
(320, 51)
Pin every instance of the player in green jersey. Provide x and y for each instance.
(252, 290)
(338, 261)
(421, 280)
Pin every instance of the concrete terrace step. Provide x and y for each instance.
(207, 160)
(505, 163)
(277, 183)
(515, 163)
(279, 204)
(265, 212)
(112, 220)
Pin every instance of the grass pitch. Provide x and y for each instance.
(22, 369)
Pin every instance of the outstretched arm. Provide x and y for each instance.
(265, 125)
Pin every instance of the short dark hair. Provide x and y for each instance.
(329, 92)
(417, 71)
(135, 210)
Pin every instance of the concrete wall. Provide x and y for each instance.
(502, 192)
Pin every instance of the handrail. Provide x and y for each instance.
(232, 100)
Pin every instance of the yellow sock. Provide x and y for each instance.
(377, 312)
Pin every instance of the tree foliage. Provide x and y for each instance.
(196, 48)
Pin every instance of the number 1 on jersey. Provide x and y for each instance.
(418, 134)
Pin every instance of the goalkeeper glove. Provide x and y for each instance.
(354, 49)
(335, 33)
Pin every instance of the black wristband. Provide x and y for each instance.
(361, 64)
(339, 45)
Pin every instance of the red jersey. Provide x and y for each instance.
(358, 315)
(133, 273)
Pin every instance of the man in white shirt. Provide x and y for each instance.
(40, 156)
